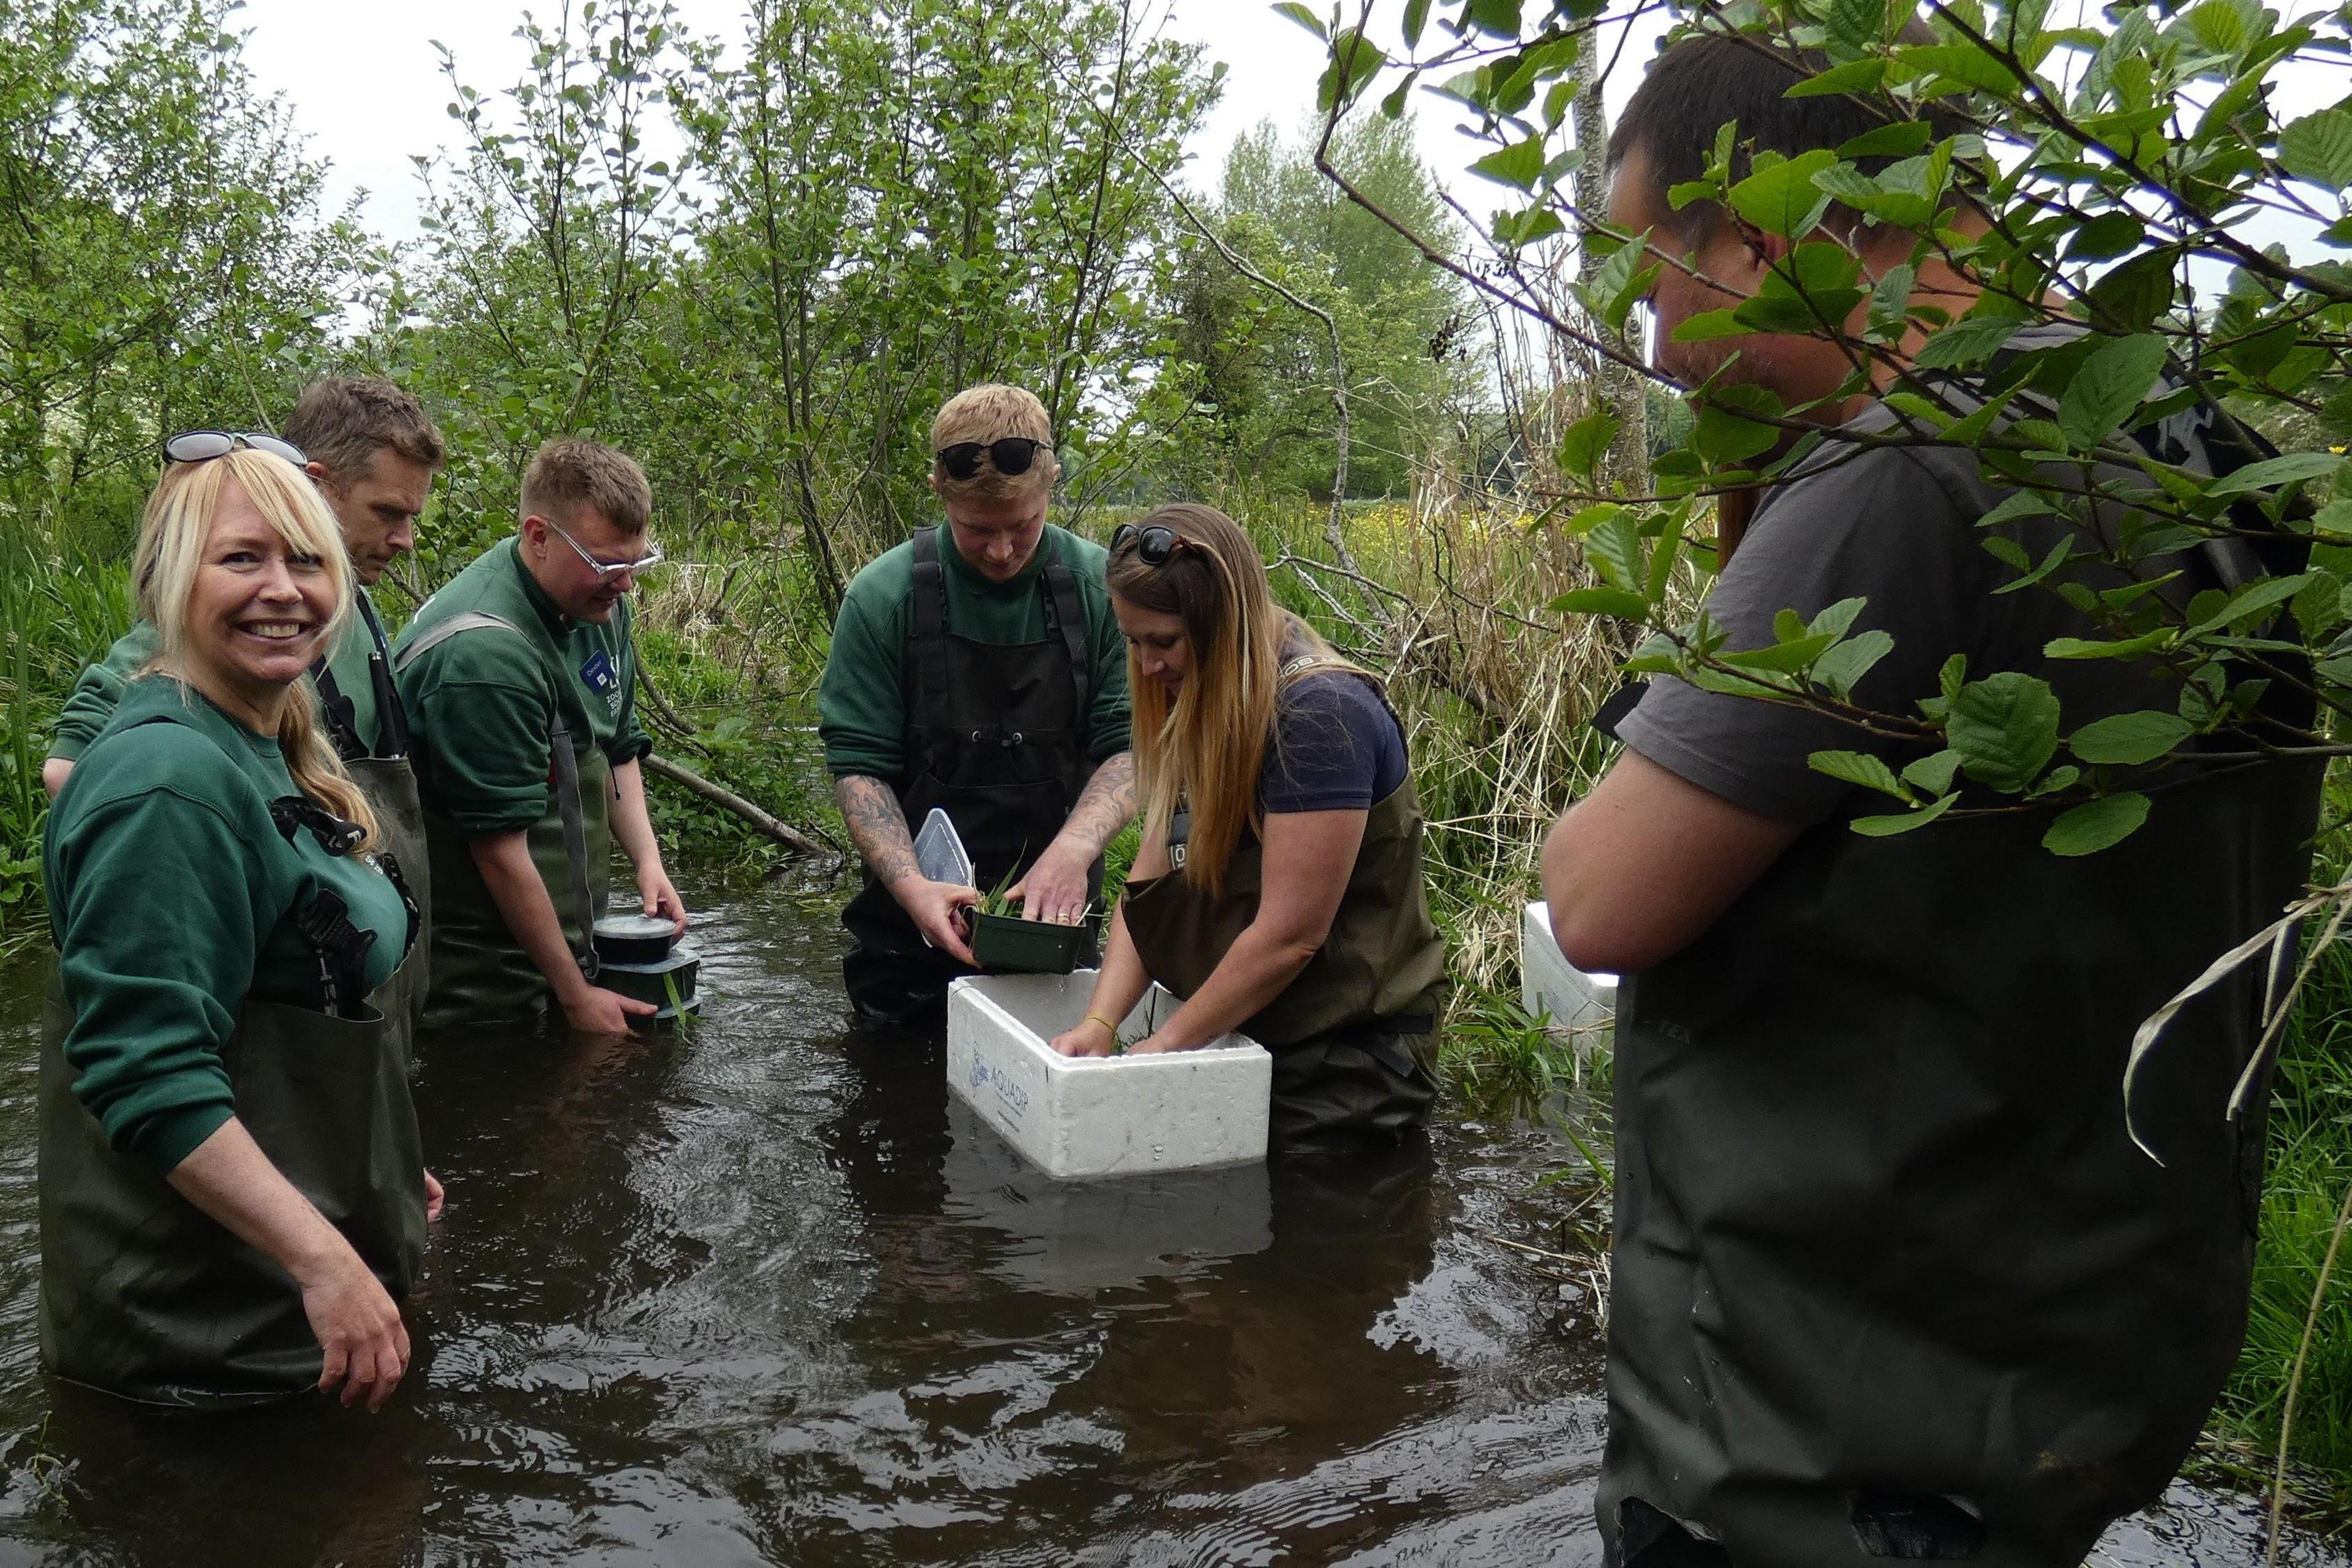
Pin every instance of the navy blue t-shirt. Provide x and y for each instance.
(1336, 747)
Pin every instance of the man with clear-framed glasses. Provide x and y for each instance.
(519, 678)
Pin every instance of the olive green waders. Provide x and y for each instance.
(1890, 1279)
(1354, 1037)
(386, 776)
(146, 1295)
(480, 973)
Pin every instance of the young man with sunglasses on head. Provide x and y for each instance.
(373, 452)
(520, 680)
(976, 667)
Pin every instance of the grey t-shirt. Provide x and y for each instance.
(1896, 526)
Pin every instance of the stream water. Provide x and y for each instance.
(760, 1293)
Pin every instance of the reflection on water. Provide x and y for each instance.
(762, 1294)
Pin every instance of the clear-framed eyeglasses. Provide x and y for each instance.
(607, 571)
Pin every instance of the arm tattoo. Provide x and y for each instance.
(1105, 803)
(876, 826)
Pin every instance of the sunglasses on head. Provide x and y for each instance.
(1013, 455)
(1153, 545)
(204, 446)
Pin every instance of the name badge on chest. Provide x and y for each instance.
(599, 676)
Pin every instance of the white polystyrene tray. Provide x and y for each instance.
(1550, 985)
(1077, 1117)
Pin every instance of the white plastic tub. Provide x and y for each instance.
(1550, 985)
(1077, 1117)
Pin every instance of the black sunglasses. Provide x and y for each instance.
(204, 446)
(1013, 455)
(1153, 545)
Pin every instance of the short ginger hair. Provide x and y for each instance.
(991, 412)
(570, 473)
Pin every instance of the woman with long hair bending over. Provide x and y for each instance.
(232, 1197)
(1278, 889)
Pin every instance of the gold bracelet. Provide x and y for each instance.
(1105, 1023)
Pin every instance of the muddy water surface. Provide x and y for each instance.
(761, 1294)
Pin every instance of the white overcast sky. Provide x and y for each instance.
(366, 86)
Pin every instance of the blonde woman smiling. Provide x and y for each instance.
(232, 1197)
(1278, 887)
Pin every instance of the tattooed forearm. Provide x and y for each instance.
(876, 826)
(1104, 806)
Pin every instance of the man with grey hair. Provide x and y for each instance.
(519, 676)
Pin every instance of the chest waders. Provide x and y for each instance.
(480, 973)
(386, 776)
(145, 1295)
(1890, 1279)
(996, 738)
(1354, 1037)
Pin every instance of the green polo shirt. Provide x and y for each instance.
(100, 686)
(479, 703)
(173, 900)
(862, 701)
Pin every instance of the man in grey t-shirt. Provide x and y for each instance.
(1889, 1278)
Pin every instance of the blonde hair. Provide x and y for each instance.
(991, 412)
(569, 473)
(1207, 747)
(172, 533)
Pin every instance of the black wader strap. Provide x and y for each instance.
(342, 720)
(1062, 607)
(567, 777)
(931, 634)
(575, 837)
(391, 718)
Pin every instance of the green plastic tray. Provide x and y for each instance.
(1026, 947)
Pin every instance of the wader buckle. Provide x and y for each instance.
(335, 835)
(342, 948)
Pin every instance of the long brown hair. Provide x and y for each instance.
(172, 535)
(1207, 747)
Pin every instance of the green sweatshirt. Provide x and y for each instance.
(479, 703)
(100, 686)
(862, 701)
(173, 899)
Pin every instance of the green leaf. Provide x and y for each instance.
(2126, 648)
(2096, 824)
(2318, 148)
(1850, 660)
(1616, 602)
(1934, 772)
(1355, 60)
(2005, 728)
(2272, 471)
(1416, 18)
(1708, 324)
(1853, 76)
(1902, 821)
(1900, 140)
(1781, 198)
(1499, 18)
(2133, 293)
(2252, 601)
(1962, 63)
(1615, 547)
(1582, 444)
(1519, 165)
(1966, 343)
(1859, 768)
(2127, 740)
(1725, 432)
(1304, 18)
(2108, 387)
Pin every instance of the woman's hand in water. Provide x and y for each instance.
(434, 1198)
(1092, 1037)
(358, 1326)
